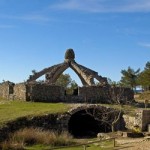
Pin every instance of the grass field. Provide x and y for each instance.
(10, 110)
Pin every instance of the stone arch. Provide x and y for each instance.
(52, 76)
(42, 72)
(85, 74)
(52, 73)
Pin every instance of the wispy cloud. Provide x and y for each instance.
(99, 6)
(147, 45)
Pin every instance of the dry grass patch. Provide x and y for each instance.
(34, 136)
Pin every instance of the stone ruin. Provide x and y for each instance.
(52, 73)
(47, 91)
(6, 89)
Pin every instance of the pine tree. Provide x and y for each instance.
(129, 77)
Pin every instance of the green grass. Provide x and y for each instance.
(39, 147)
(103, 146)
(11, 110)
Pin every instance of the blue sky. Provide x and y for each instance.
(106, 35)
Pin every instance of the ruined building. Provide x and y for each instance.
(49, 92)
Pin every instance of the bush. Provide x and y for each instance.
(31, 136)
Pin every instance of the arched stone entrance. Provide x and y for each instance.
(87, 120)
(82, 124)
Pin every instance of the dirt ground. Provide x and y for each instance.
(132, 144)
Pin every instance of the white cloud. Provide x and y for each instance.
(103, 5)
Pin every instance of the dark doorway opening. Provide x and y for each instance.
(83, 125)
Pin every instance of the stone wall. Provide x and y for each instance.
(45, 92)
(6, 89)
(141, 118)
(106, 94)
(20, 91)
(94, 93)
(74, 99)
(38, 92)
(130, 121)
(124, 95)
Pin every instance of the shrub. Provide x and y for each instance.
(31, 136)
(62, 139)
